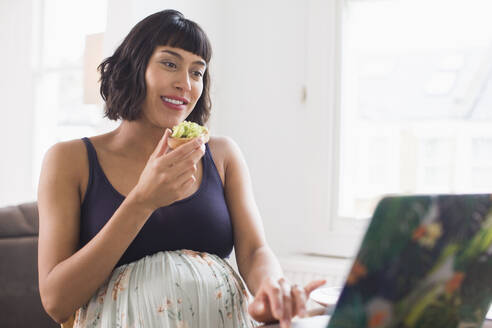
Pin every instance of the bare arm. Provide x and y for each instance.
(254, 257)
(69, 277)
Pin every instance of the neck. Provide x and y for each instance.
(137, 139)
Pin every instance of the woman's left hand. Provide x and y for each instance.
(279, 300)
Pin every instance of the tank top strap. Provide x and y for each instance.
(94, 167)
(91, 151)
(210, 168)
(207, 155)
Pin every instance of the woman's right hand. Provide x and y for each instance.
(168, 174)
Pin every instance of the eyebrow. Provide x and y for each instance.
(173, 53)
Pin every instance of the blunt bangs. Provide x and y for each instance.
(186, 35)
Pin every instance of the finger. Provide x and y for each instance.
(190, 159)
(261, 310)
(184, 170)
(275, 298)
(178, 154)
(162, 145)
(186, 181)
(287, 302)
(188, 165)
(313, 285)
(258, 306)
(299, 301)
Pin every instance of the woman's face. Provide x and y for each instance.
(174, 81)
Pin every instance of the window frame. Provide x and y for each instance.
(329, 235)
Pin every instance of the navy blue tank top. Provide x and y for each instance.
(200, 222)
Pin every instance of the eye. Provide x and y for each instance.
(198, 73)
(169, 64)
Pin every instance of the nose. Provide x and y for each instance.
(182, 81)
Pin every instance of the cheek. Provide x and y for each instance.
(197, 91)
(154, 79)
(150, 83)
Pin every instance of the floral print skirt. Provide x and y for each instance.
(169, 289)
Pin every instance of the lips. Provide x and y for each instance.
(173, 102)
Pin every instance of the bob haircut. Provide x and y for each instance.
(123, 85)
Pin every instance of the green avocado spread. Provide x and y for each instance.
(187, 129)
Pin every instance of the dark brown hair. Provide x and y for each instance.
(123, 74)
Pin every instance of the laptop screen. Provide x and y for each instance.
(425, 261)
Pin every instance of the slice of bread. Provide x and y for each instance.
(174, 143)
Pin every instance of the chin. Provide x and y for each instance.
(167, 121)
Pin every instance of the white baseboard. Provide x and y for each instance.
(303, 268)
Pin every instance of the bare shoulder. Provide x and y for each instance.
(67, 161)
(227, 153)
(223, 144)
(69, 154)
(71, 147)
(224, 149)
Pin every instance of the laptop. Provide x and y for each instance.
(425, 261)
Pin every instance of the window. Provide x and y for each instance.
(416, 106)
(404, 90)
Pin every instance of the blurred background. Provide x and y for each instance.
(334, 103)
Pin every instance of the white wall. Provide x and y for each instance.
(261, 108)
(272, 51)
(16, 94)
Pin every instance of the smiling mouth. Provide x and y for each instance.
(173, 101)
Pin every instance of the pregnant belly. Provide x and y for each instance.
(169, 289)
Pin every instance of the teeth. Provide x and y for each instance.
(173, 101)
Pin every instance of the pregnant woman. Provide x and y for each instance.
(136, 234)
